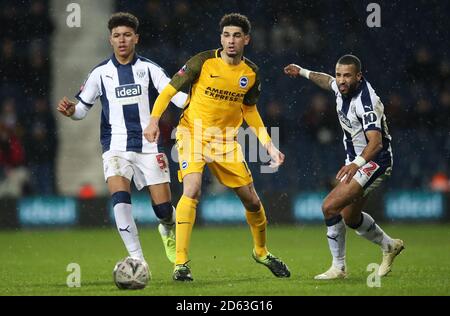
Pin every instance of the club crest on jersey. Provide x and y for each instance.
(184, 165)
(128, 90)
(140, 73)
(243, 82)
(344, 119)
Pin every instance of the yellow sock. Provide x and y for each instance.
(258, 223)
(185, 219)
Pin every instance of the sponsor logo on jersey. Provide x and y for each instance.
(128, 90)
(243, 82)
(344, 119)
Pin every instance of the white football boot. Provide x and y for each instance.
(332, 274)
(389, 256)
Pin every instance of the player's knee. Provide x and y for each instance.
(192, 192)
(252, 205)
(328, 209)
(164, 211)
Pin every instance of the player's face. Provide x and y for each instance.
(233, 41)
(123, 39)
(347, 78)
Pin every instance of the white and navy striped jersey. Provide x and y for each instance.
(127, 93)
(361, 112)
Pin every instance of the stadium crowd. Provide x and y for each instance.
(405, 59)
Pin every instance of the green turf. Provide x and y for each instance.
(34, 262)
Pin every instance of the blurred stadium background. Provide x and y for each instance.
(50, 167)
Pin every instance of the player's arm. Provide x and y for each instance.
(373, 147)
(76, 111)
(255, 122)
(151, 132)
(161, 80)
(319, 78)
(370, 114)
(86, 97)
(182, 79)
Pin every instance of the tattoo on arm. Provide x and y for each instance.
(321, 79)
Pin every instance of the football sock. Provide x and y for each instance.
(125, 224)
(258, 224)
(185, 219)
(336, 240)
(166, 216)
(371, 231)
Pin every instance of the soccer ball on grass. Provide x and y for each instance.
(131, 274)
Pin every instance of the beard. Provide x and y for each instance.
(351, 88)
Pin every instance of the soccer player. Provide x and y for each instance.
(224, 90)
(369, 162)
(124, 83)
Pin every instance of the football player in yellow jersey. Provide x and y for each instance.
(224, 89)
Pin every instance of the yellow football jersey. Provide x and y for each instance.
(217, 92)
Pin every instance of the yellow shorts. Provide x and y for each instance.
(225, 160)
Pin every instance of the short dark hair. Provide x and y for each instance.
(236, 19)
(123, 19)
(350, 60)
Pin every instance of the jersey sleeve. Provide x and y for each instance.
(371, 111)
(252, 95)
(160, 80)
(90, 90)
(190, 72)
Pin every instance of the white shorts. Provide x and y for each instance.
(144, 169)
(371, 175)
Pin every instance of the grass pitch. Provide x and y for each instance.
(34, 262)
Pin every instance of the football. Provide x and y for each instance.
(131, 274)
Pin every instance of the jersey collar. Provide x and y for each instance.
(116, 62)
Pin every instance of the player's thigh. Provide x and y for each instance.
(248, 196)
(341, 196)
(352, 212)
(117, 163)
(118, 183)
(150, 169)
(160, 193)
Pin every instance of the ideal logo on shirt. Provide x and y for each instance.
(128, 90)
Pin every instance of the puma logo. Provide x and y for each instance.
(124, 229)
(333, 238)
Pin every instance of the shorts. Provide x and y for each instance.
(225, 160)
(145, 169)
(371, 175)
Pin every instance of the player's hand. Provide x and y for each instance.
(277, 157)
(66, 107)
(292, 70)
(347, 172)
(151, 132)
